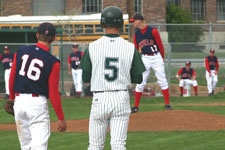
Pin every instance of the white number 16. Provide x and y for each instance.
(33, 72)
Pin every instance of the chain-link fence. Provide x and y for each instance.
(181, 43)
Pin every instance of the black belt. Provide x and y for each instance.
(108, 91)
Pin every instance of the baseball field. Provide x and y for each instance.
(196, 123)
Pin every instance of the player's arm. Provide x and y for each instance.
(69, 65)
(86, 67)
(217, 66)
(207, 65)
(178, 74)
(158, 41)
(12, 79)
(54, 95)
(193, 75)
(137, 68)
(0, 56)
(135, 42)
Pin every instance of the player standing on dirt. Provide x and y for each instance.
(212, 67)
(110, 64)
(7, 59)
(34, 78)
(74, 62)
(147, 40)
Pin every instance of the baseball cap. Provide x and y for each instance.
(136, 17)
(75, 45)
(47, 29)
(188, 63)
(6, 48)
(212, 50)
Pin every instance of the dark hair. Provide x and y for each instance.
(46, 38)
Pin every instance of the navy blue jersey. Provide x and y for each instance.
(33, 67)
(186, 74)
(146, 41)
(75, 59)
(212, 62)
(7, 60)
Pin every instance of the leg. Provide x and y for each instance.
(119, 122)
(98, 124)
(195, 85)
(161, 79)
(215, 81)
(74, 75)
(181, 85)
(7, 73)
(79, 81)
(209, 82)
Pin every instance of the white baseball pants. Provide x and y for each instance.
(6, 76)
(77, 79)
(156, 63)
(32, 121)
(187, 82)
(211, 81)
(109, 108)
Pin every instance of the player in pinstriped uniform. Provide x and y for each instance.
(74, 62)
(110, 64)
(147, 40)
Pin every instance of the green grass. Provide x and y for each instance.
(174, 140)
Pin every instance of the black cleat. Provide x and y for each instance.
(134, 110)
(196, 94)
(212, 92)
(168, 107)
(6, 96)
(181, 95)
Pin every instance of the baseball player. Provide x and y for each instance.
(187, 75)
(147, 40)
(110, 64)
(74, 62)
(7, 59)
(34, 78)
(212, 67)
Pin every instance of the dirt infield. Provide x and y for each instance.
(154, 121)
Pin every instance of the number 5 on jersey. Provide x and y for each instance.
(33, 72)
(112, 67)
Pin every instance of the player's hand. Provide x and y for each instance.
(210, 74)
(62, 125)
(69, 73)
(215, 72)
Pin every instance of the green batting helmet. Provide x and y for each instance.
(112, 16)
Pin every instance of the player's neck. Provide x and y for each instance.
(46, 44)
(142, 26)
(109, 30)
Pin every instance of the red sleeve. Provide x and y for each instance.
(158, 41)
(12, 79)
(217, 64)
(207, 64)
(135, 43)
(180, 71)
(69, 60)
(193, 73)
(0, 56)
(54, 95)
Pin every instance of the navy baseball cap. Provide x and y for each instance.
(212, 50)
(188, 63)
(47, 29)
(136, 17)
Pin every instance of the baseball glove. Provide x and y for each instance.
(9, 107)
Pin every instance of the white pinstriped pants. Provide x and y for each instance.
(77, 79)
(6, 76)
(211, 81)
(113, 109)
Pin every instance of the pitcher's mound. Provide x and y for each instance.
(154, 121)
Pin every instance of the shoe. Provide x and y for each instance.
(78, 95)
(168, 107)
(212, 92)
(134, 110)
(6, 96)
(181, 95)
(196, 94)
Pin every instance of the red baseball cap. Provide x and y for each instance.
(188, 63)
(212, 50)
(136, 17)
(6, 48)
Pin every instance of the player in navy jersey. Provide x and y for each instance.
(212, 67)
(187, 75)
(7, 59)
(74, 62)
(34, 78)
(148, 42)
